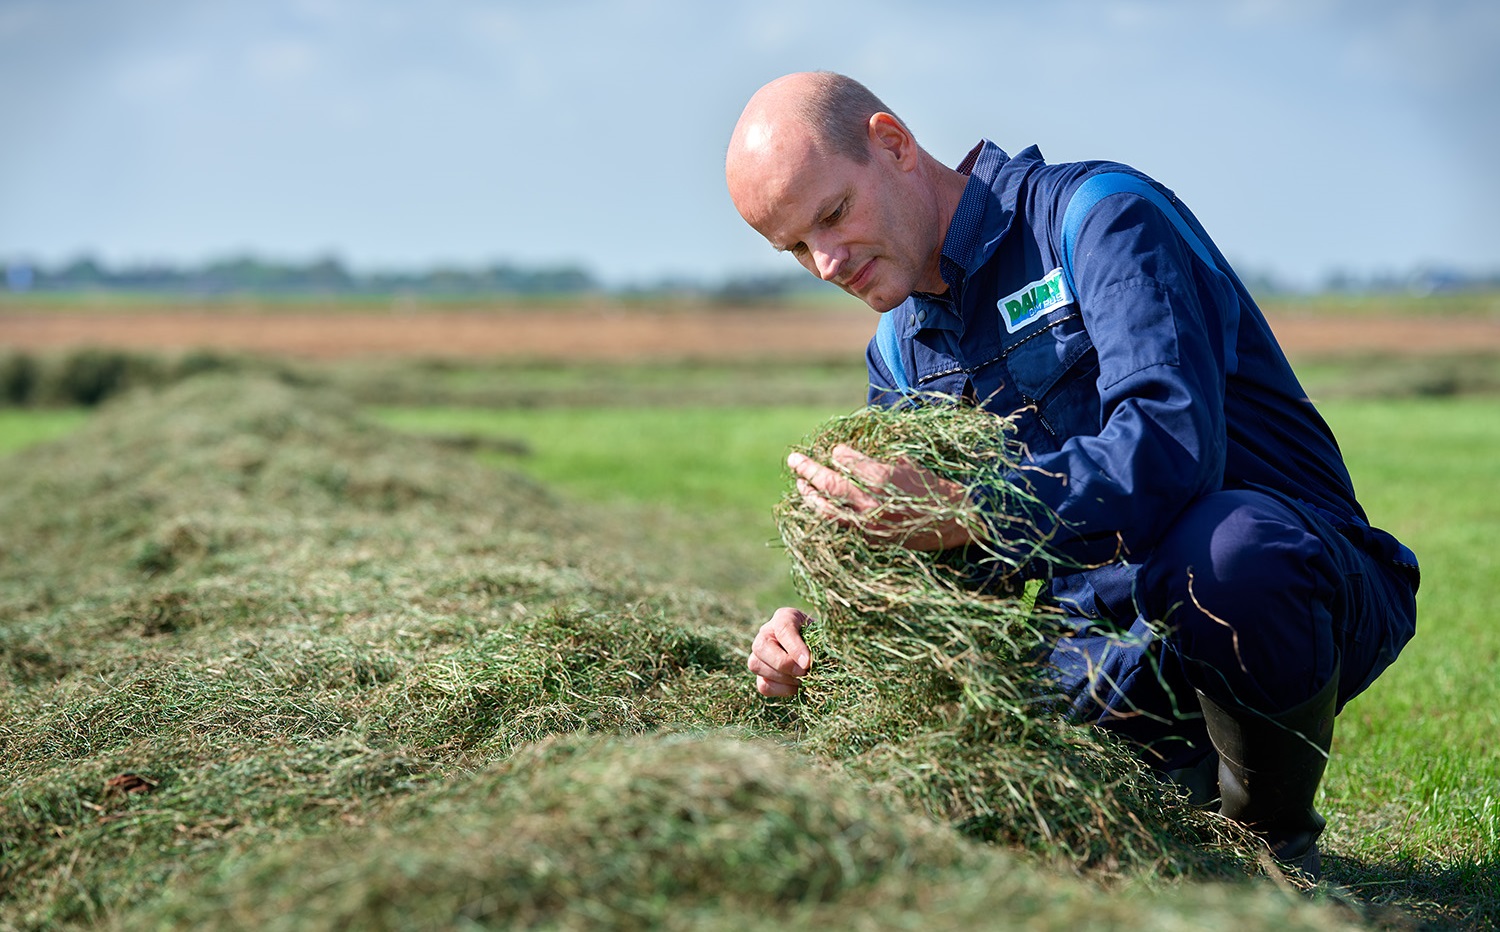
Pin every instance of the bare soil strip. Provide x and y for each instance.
(571, 335)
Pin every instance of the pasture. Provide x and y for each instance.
(460, 644)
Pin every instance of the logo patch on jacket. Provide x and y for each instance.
(1034, 300)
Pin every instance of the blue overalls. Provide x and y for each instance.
(1170, 447)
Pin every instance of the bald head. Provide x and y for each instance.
(833, 109)
(823, 170)
(796, 121)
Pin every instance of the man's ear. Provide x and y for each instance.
(889, 137)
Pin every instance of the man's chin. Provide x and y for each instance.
(881, 305)
(879, 301)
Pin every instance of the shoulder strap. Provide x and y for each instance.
(890, 351)
(1096, 188)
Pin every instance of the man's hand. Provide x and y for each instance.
(779, 658)
(833, 494)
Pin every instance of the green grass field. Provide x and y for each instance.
(24, 427)
(1418, 765)
(700, 460)
(395, 620)
(706, 477)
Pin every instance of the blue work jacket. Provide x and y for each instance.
(1146, 381)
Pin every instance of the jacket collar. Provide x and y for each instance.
(986, 212)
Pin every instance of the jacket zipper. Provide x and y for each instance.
(1037, 407)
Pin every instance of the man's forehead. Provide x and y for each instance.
(796, 196)
(775, 138)
(773, 168)
(782, 179)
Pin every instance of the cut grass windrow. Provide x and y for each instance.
(266, 664)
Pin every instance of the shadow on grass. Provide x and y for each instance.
(1410, 894)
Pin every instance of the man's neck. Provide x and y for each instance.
(951, 186)
(948, 190)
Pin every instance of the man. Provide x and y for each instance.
(1167, 437)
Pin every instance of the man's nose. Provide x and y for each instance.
(829, 262)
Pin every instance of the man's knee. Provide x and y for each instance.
(1244, 588)
(1232, 553)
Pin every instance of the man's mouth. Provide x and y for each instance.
(860, 278)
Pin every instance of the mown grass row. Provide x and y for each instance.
(268, 610)
(267, 664)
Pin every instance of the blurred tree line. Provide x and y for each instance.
(329, 276)
(249, 275)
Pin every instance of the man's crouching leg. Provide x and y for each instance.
(1269, 770)
(1248, 590)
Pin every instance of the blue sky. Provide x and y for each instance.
(1308, 136)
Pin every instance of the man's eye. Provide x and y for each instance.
(836, 216)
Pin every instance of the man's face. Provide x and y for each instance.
(858, 226)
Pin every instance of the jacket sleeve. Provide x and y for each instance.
(882, 392)
(1160, 325)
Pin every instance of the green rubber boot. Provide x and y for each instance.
(1269, 770)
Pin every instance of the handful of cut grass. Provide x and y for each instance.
(930, 674)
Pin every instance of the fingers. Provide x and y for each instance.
(779, 657)
(822, 487)
(779, 647)
(873, 475)
(817, 475)
(861, 485)
(870, 470)
(897, 502)
(769, 688)
(814, 500)
(899, 474)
